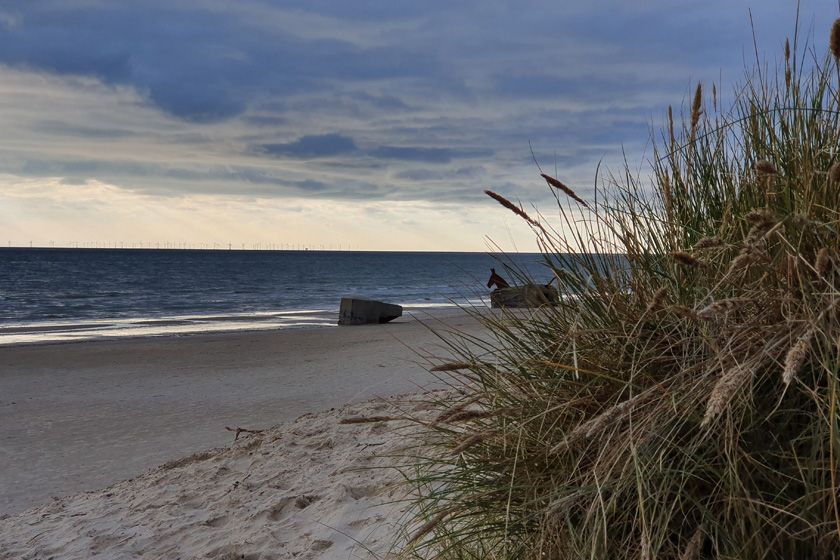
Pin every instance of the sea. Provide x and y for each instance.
(62, 295)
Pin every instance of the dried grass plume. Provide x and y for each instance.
(721, 306)
(834, 173)
(724, 390)
(452, 366)
(708, 243)
(569, 192)
(694, 547)
(685, 259)
(696, 108)
(796, 357)
(834, 39)
(765, 168)
(823, 263)
(513, 208)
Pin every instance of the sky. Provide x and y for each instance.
(335, 124)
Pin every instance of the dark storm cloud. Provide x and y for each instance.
(334, 144)
(208, 65)
(196, 64)
(428, 100)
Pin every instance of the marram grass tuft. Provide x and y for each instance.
(682, 400)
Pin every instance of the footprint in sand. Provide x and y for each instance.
(320, 544)
(377, 429)
(359, 523)
(216, 522)
(363, 491)
(305, 500)
(278, 511)
(326, 443)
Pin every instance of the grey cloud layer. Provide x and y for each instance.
(368, 99)
(330, 145)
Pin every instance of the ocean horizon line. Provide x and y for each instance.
(260, 250)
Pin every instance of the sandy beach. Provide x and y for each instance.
(322, 486)
(81, 416)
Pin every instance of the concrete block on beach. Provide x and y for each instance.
(358, 311)
(529, 295)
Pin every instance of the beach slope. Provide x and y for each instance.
(316, 487)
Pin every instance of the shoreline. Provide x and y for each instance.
(90, 413)
(59, 331)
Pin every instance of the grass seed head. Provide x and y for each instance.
(560, 186)
(694, 546)
(696, 108)
(667, 196)
(723, 392)
(720, 307)
(761, 216)
(457, 409)
(788, 75)
(614, 413)
(708, 243)
(762, 221)
(755, 235)
(823, 263)
(834, 39)
(685, 259)
(657, 299)
(834, 173)
(765, 168)
(428, 527)
(796, 356)
(512, 207)
(452, 366)
(747, 257)
(469, 442)
(671, 136)
(683, 311)
(714, 96)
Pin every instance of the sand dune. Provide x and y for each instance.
(311, 488)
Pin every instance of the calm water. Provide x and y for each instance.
(67, 294)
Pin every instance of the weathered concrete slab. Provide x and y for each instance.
(358, 311)
(529, 295)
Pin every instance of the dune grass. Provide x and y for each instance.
(681, 401)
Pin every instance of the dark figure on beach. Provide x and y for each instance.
(497, 280)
